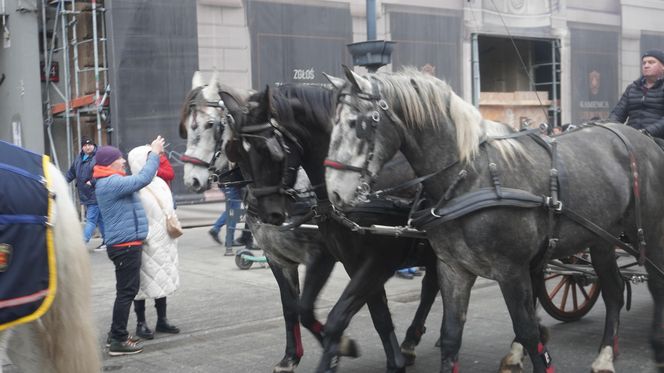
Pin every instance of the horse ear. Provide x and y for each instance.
(215, 80)
(197, 80)
(357, 81)
(337, 83)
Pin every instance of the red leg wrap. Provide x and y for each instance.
(317, 327)
(299, 351)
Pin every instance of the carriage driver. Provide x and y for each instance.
(126, 226)
(643, 100)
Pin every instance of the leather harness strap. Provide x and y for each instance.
(499, 196)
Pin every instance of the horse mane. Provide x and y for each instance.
(300, 108)
(193, 97)
(425, 101)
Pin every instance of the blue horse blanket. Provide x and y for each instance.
(27, 258)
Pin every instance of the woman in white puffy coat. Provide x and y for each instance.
(159, 267)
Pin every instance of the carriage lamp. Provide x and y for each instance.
(372, 54)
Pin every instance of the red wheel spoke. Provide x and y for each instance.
(574, 299)
(556, 289)
(584, 293)
(563, 303)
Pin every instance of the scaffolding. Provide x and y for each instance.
(74, 37)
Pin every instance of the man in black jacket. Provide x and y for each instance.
(643, 100)
(81, 170)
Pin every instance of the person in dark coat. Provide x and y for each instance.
(642, 104)
(81, 171)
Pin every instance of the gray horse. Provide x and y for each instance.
(470, 158)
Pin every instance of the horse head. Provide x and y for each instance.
(364, 137)
(204, 117)
(267, 153)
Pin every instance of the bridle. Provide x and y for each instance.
(279, 150)
(218, 130)
(365, 130)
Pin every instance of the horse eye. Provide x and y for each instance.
(352, 123)
(209, 124)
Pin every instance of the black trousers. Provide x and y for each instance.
(127, 262)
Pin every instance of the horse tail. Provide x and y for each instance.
(69, 335)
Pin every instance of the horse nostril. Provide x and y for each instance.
(196, 184)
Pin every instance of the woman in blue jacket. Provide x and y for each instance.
(125, 227)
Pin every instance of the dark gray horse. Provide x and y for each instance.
(291, 128)
(201, 124)
(503, 238)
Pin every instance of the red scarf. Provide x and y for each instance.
(100, 171)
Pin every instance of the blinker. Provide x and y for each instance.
(274, 148)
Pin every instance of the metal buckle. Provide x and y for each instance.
(557, 207)
(383, 104)
(362, 191)
(375, 116)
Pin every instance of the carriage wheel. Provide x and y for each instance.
(568, 297)
(241, 262)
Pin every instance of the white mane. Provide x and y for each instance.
(426, 101)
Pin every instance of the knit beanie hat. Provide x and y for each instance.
(107, 155)
(656, 53)
(86, 141)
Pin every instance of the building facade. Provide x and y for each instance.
(588, 50)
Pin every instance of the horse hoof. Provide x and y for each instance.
(348, 347)
(286, 365)
(409, 356)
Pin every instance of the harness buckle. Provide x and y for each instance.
(362, 192)
(375, 116)
(557, 206)
(383, 104)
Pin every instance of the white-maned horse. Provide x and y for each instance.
(64, 339)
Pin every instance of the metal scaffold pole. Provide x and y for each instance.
(74, 31)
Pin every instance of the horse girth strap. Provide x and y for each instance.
(634, 175)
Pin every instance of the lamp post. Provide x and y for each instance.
(372, 54)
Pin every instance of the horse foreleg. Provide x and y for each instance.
(318, 272)
(382, 320)
(455, 284)
(288, 281)
(518, 294)
(416, 329)
(613, 286)
(365, 286)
